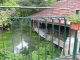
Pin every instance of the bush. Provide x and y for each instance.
(42, 52)
(75, 18)
(5, 13)
(9, 3)
(4, 17)
(7, 55)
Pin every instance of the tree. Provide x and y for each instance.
(8, 3)
(4, 1)
(33, 3)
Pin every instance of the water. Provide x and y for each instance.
(20, 40)
(21, 46)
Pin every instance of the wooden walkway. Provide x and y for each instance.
(42, 33)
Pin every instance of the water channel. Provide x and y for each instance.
(16, 40)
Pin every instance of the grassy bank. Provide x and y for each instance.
(5, 39)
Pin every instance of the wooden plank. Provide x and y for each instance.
(49, 38)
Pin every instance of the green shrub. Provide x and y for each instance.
(75, 18)
(9, 3)
(42, 51)
(7, 55)
(5, 13)
(3, 17)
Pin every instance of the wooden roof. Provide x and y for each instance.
(60, 8)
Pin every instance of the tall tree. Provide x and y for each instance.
(8, 3)
(4, 1)
(33, 3)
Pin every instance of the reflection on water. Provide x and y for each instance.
(18, 40)
(22, 45)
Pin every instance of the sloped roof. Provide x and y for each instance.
(60, 8)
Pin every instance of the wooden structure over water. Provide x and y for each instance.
(42, 33)
(73, 5)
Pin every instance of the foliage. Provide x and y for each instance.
(7, 55)
(5, 13)
(4, 17)
(8, 3)
(4, 39)
(53, 1)
(43, 52)
(75, 18)
(33, 3)
(26, 27)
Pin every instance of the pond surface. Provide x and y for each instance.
(16, 39)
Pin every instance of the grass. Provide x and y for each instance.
(4, 39)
